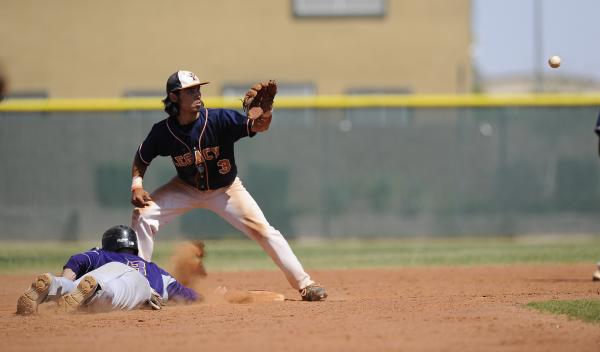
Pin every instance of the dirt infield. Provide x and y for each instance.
(404, 309)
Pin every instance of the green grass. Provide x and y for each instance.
(234, 255)
(583, 309)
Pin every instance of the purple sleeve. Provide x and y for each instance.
(82, 263)
(178, 293)
(236, 124)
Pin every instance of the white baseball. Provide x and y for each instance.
(554, 61)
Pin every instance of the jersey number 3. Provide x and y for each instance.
(224, 166)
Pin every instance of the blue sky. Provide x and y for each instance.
(503, 36)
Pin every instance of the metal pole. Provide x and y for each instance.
(538, 45)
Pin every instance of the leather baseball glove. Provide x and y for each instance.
(258, 104)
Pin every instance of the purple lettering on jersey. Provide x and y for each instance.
(138, 265)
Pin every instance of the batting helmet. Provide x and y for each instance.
(119, 237)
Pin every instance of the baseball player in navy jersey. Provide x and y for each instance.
(110, 278)
(200, 142)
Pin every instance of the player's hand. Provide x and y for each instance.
(140, 198)
(156, 300)
(262, 123)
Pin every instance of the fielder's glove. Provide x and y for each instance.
(258, 104)
(156, 300)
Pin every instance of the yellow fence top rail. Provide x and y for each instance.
(318, 102)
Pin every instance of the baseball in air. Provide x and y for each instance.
(554, 61)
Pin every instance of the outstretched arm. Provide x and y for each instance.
(180, 293)
(176, 291)
(139, 197)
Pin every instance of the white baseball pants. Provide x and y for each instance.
(232, 203)
(121, 287)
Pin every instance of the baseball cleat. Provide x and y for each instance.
(596, 276)
(313, 292)
(28, 302)
(85, 289)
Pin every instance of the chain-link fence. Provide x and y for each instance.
(321, 172)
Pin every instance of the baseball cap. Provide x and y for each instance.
(182, 80)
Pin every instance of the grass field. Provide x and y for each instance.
(583, 309)
(236, 255)
(471, 294)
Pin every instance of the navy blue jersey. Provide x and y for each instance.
(202, 151)
(159, 279)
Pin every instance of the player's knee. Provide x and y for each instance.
(136, 217)
(139, 219)
(259, 232)
(141, 214)
(137, 213)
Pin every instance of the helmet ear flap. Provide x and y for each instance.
(119, 237)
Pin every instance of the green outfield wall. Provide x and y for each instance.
(357, 166)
